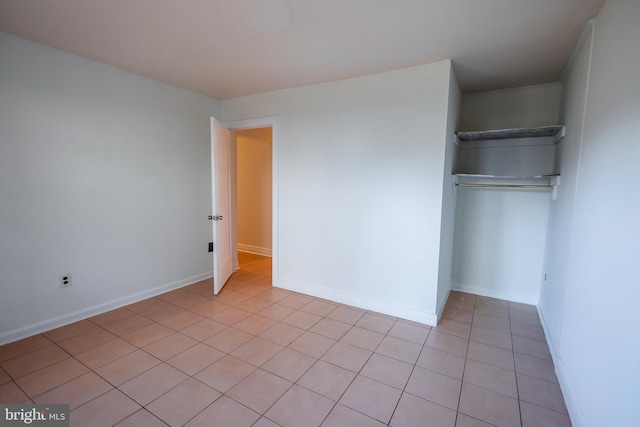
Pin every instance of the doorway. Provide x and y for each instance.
(253, 183)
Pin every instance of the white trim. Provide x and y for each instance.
(569, 400)
(364, 303)
(85, 313)
(254, 250)
(442, 303)
(508, 296)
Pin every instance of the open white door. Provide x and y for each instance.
(220, 186)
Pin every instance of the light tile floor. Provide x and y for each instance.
(261, 356)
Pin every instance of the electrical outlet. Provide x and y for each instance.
(65, 280)
(210, 246)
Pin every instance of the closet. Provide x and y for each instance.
(504, 181)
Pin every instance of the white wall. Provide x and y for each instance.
(445, 273)
(103, 174)
(511, 108)
(253, 189)
(590, 312)
(361, 166)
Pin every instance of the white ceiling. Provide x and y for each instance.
(231, 48)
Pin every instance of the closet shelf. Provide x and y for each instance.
(550, 182)
(483, 135)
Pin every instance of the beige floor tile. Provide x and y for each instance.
(491, 337)
(204, 329)
(312, 344)
(490, 355)
(399, 349)
(489, 406)
(50, 377)
(273, 295)
(255, 305)
(453, 327)
(441, 362)
(127, 367)
(190, 301)
(37, 359)
(457, 315)
(105, 353)
(531, 319)
(536, 416)
(414, 411)
(10, 393)
(372, 398)
(387, 370)
(182, 320)
(259, 390)
(302, 319)
(257, 351)
(183, 402)
(376, 323)
(229, 339)
(319, 307)
(501, 312)
(410, 332)
(226, 412)
(76, 392)
(289, 364)
(526, 308)
(170, 346)
(449, 343)
(541, 393)
(300, 407)
(128, 325)
(342, 416)
(162, 312)
(232, 298)
(225, 373)
(210, 309)
(347, 356)
(255, 324)
(86, 341)
(145, 305)
(141, 418)
(528, 331)
(531, 347)
(282, 334)
(329, 380)
(71, 330)
(153, 383)
(434, 387)
(490, 377)
(496, 323)
(296, 301)
(231, 316)
(330, 328)
(106, 410)
(344, 314)
(195, 359)
(535, 367)
(148, 334)
(4, 377)
(363, 338)
(111, 316)
(467, 421)
(27, 345)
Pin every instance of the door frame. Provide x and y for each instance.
(236, 125)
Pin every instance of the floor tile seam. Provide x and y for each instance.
(526, 324)
(58, 385)
(544, 407)
(540, 379)
(24, 354)
(550, 359)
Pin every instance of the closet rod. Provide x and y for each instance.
(505, 185)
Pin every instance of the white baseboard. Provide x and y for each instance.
(508, 296)
(254, 250)
(56, 322)
(359, 301)
(570, 403)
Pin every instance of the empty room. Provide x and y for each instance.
(319, 213)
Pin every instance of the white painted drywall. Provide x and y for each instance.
(596, 349)
(361, 166)
(511, 108)
(254, 191)
(445, 272)
(103, 174)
